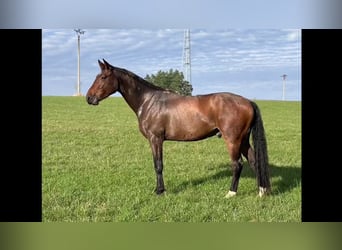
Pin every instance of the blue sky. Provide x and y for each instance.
(170, 14)
(248, 62)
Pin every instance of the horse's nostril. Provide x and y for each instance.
(92, 100)
(89, 99)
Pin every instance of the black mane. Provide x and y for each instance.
(139, 79)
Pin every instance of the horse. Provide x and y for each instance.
(166, 115)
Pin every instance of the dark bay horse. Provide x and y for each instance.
(166, 115)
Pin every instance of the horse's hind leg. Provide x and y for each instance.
(248, 152)
(235, 156)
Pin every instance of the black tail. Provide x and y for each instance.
(260, 148)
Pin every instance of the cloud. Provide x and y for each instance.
(214, 54)
(293, 35)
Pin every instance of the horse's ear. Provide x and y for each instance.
(108, 66)
(102, 66)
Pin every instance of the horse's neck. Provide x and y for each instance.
(134, 92)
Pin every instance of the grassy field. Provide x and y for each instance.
(98, 167)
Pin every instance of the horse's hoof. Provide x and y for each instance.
(160, 192)
(230, 194)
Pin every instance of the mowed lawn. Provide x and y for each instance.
(97, 166)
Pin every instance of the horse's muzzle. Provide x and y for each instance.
(92, 100)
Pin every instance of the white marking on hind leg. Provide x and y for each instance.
(230, 194)
(262, 191)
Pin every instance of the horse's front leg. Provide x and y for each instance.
(157, 152)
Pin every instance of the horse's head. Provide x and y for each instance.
(104, 85)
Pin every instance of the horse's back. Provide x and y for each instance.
(228, 103)
(211, 106)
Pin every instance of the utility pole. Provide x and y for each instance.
(284, 79)
(79, 32)
(186, 56)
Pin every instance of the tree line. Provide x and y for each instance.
(172, 79)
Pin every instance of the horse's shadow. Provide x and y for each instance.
(283, 178)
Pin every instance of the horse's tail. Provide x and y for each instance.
(260, 149)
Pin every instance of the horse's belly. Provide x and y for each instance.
(190, 136)
(189, 128)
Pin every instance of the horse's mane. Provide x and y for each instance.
(140, 79)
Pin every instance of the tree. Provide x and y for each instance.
(173, 80)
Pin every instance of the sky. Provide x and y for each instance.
(170, 14)
(239, 46)
(248, 62)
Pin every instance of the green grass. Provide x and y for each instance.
(97, 166)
